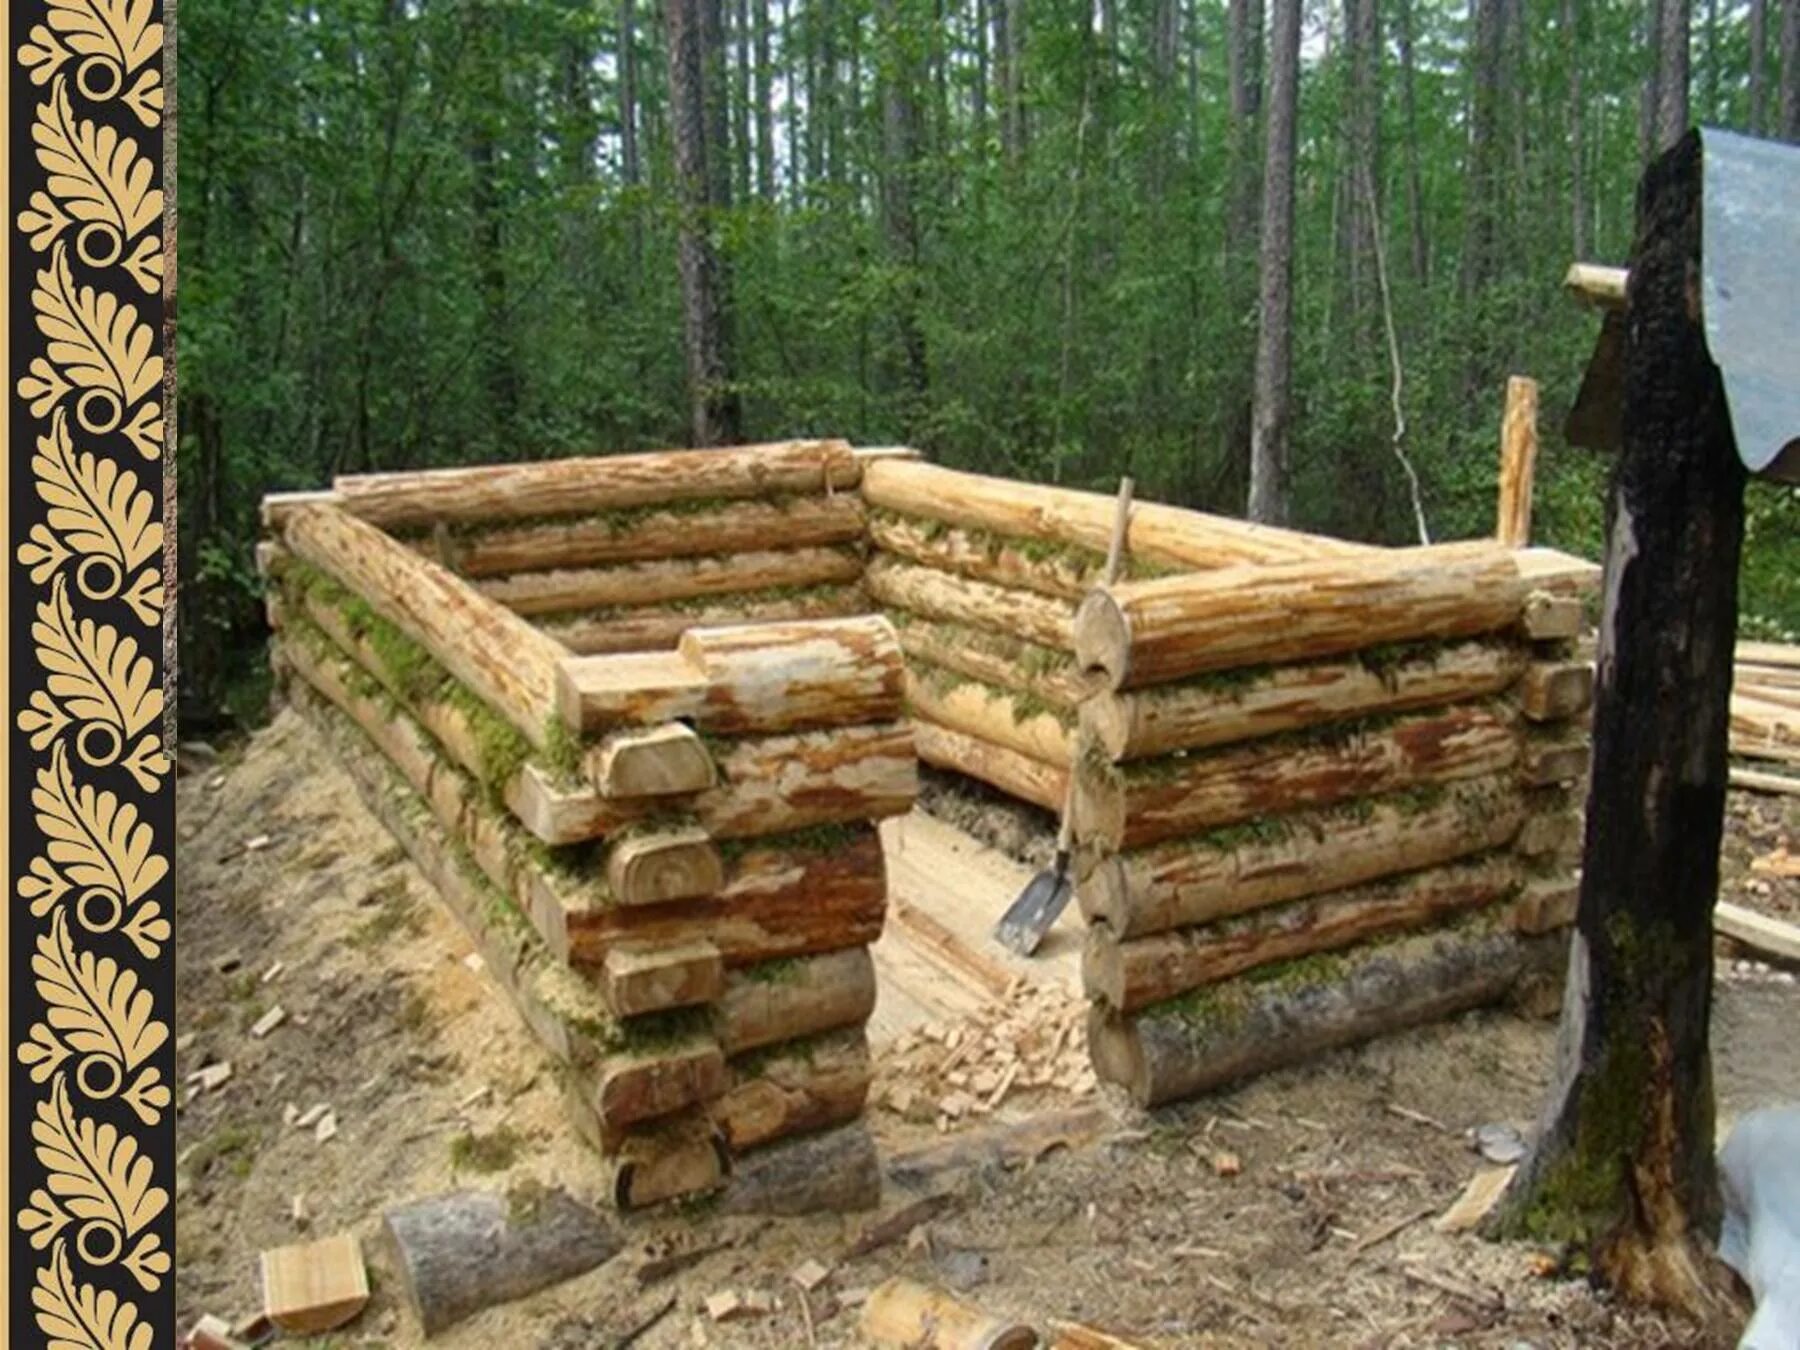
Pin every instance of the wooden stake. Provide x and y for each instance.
(1518, 459)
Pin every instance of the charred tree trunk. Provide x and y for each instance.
(1625, 1163)
(1275, 333)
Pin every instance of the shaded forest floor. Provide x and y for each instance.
(1151, 1230)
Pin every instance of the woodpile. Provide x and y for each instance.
(666, 853)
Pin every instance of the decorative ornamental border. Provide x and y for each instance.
(92, 821)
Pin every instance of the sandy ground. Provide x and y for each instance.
(432, 1080)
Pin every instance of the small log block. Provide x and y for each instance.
(1039, 619)
(1133, 974)
(794, 1087)
(676, 1157)
(463, 1251)
(902, 1312)
(1013, 773)
(993, 714)
(589, 483)
(831, 1173)
(663, 581)
(1557, 758)
(1547, 904)
(1236, 1030)
(1518, 460)
(1549, 569)
(314, 1286)
(635, 980)
(1146, 801)
(650, 628)
(1552, 827)
(650, 762)
(1215, 710)
(1551, 618)
(1150, 632)
(633, 1086)
(993, 658)
(1200, 878)
(679, 863)
(1597, 286)
(786, 1000)
(1064, 573)
(1555, 690)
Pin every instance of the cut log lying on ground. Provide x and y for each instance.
(904, 1313)
(990, 713)
(680, 1156)
(664, 580)
(796, 1087)
(464, 1251)
(836, 1172)
(1150, 632)
(995, 658)
(1223, 1033)
(637, 980)
(1241, 868)
(1132, 974)
(1553, 691)
(787, 1000)
(745, 679)
(1235, 705)
(644, 533)
(1752, 781)
(1031, 565)
(654, 628)
(656, 866)
(502, 659)
(997, 609)
(1166, 535)
(1762, 934)
(1015, 774)
(660, 761)
(583, 485)
(1146, 801)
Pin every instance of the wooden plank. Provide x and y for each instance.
(311, 1287)
(1761, 933)
(1518, 461)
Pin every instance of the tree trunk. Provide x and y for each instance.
(1415, 192)
(1243, 48)
(705, 283)
(1483, 189)
(1672, 74)
(742, 110)
(1272, 399)
(1568, 22)
(900, 163)
(1759, 52)
(630, 165)
(765, 113)
(1364, 33)
(1790, 71)
(1625, 1160)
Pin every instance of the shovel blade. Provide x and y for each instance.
(1039, 905)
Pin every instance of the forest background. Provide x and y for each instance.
(1025, 238)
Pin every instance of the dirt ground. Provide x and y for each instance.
(1319, 1235)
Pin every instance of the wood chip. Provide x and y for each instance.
(1391, 1229)
(314, 1286)
(1478, 1198)
(212, 1077)
(810, 1274)
(290, 1114)
(1225, 1163)
(310, 1117)
(1417, 1117)
(268, 1021)
(474, 962)
(327, 1127)
(731, 1305)
(297, 1210)
(257, 843)
(274, 972)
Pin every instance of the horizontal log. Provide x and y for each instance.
(1059, 570)
(795, 1087)
(1783, 654)
(501, 659)
(1134, 973)
(666, 580)
(674, 1158)
(1166, 535)
(1552, 691)
(590, 483)
(786, 1000)
(637, 980)
(1229, 706)
(1553, 825)
(831, 1172)
(1558, 573)
(639, 534)
(1555, 755)
(651, 628)
(905, 1313)
(1015, 774)
(1225, 1033)
(997, 609)
(745, 679)
(1146, 801)
(994, 714)
(1241, 868)
(1150, 632)
(995, 658)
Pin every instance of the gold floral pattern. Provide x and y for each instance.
(90, 921)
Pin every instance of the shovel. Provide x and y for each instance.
(1047, 894)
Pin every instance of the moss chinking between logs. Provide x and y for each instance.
(1086, 564)
(737, 600)
(1024, 704)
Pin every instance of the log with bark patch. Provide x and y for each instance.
(794, 1087)
(1223, 1033)
(1150, 632)
(1060, 571)
(1039, 619)
(662, 581)
(787, 1000)
(647, 628)
(668, 1159)
(994, 658)
(1238, 705)
(1015, 774)
(833, 1172)
(998, 716)
(1128, 975)
(1240, 868)
(1146, 801)
(584, 485)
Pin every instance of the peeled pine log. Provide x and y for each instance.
(1167, 535)
(634, 1086)
(650, 628)
(904, 1313)
(680, 1156)
(664, 580)
(1062, 572)
(1239, 706)
(1555, 690)
(1205, 877)
(994, 658)
(785, 1000)
(590, 483)
(991, 713)
(745, 679)
(637, 980)
(659, 532)
(1151, 632)
(1146, 801)
(1015, 774)
(835, 1172)
(794, 1088)
(1132, 974)
(1551, 618)
(657, 866)
(650, 762)
(998, 609)
(1547, 569)
(502, 659)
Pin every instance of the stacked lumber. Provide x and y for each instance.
(668, 858)
(1319, 800)
(1765, 708)
(982, 576)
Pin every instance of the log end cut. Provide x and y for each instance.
(1103, 640)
